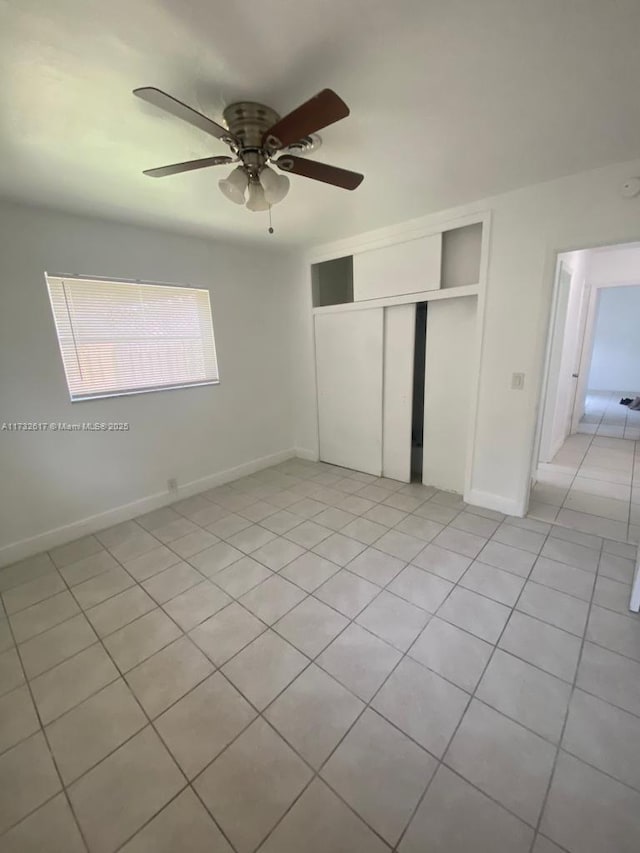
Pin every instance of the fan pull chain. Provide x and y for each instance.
(270, 225)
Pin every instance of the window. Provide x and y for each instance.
(123, 337)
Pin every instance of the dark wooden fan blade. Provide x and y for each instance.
(189, 166)
(320, 172)
(322, 110)
(179, 110)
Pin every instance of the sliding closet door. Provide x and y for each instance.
(449, 371)
(349, 359)
(399, 336)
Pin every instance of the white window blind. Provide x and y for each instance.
(122, 337)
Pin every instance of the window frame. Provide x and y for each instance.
(133, 281)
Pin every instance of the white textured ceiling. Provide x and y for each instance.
(451, 100)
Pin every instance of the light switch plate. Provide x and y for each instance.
(517, 381)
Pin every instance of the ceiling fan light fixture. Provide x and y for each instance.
(255, 133)
(235, 185)
(257, 200)
(275, 186)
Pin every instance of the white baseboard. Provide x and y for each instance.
(498, 503)
(92, 524)
(304, 453)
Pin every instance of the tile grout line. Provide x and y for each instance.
(566, 715)
(575, 476)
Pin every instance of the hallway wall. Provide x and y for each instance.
(615, 362)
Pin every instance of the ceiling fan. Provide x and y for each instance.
(256, 135)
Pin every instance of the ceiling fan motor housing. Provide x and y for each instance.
(248, 121)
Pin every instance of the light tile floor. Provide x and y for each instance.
(309, 659)
(593, 483)
(603, 415)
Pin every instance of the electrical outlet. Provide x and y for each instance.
(517, 381)
(172, 485)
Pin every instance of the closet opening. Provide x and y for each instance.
(417, 416)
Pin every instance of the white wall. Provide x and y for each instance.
(615, 360)
(615, 266)
(51, 480)
(529, 226)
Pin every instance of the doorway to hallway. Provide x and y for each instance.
(586, 473)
